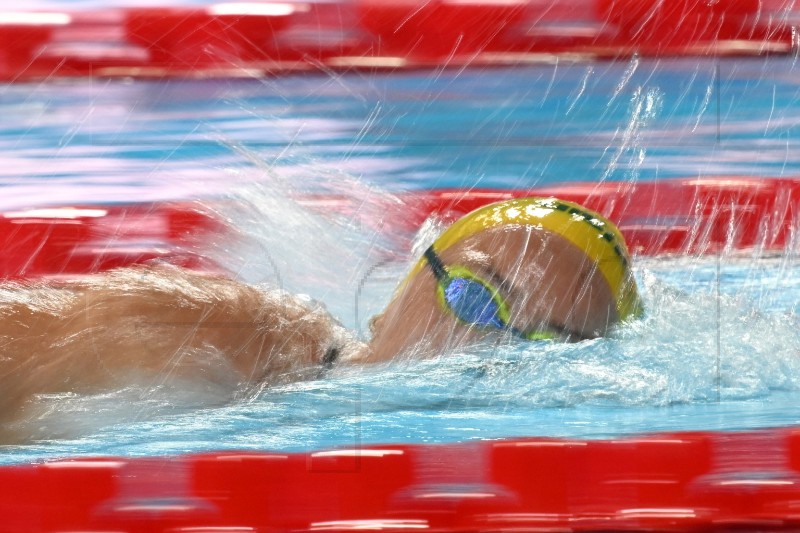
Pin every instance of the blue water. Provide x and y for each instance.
(718, 348)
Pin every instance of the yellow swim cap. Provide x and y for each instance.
(595, 235)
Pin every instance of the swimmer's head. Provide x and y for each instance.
(533, 268)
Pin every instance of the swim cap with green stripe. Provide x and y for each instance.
(598, 238)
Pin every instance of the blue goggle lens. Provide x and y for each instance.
(472, 302)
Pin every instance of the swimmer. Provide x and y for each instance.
(529, 268)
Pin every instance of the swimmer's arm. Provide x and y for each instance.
(150, 319)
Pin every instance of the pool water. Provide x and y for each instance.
(717, 350)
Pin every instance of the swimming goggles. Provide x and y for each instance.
(473, 300)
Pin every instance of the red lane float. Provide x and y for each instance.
(676, 216)
(264, 38)
(698, 481)
(74, 241)
(679, 216)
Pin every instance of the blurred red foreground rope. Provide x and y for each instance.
(699, 481)
(258, 39)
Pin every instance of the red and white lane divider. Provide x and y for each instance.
(675, 216)
(679, 216)
(698, 481)
(267, 38)
(64, 242)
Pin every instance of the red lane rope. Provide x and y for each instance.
(261, 38)
(75, 241)
(676, 216)
(679, 216)
(698, 481)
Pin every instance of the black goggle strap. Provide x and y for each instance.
(438, 268)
